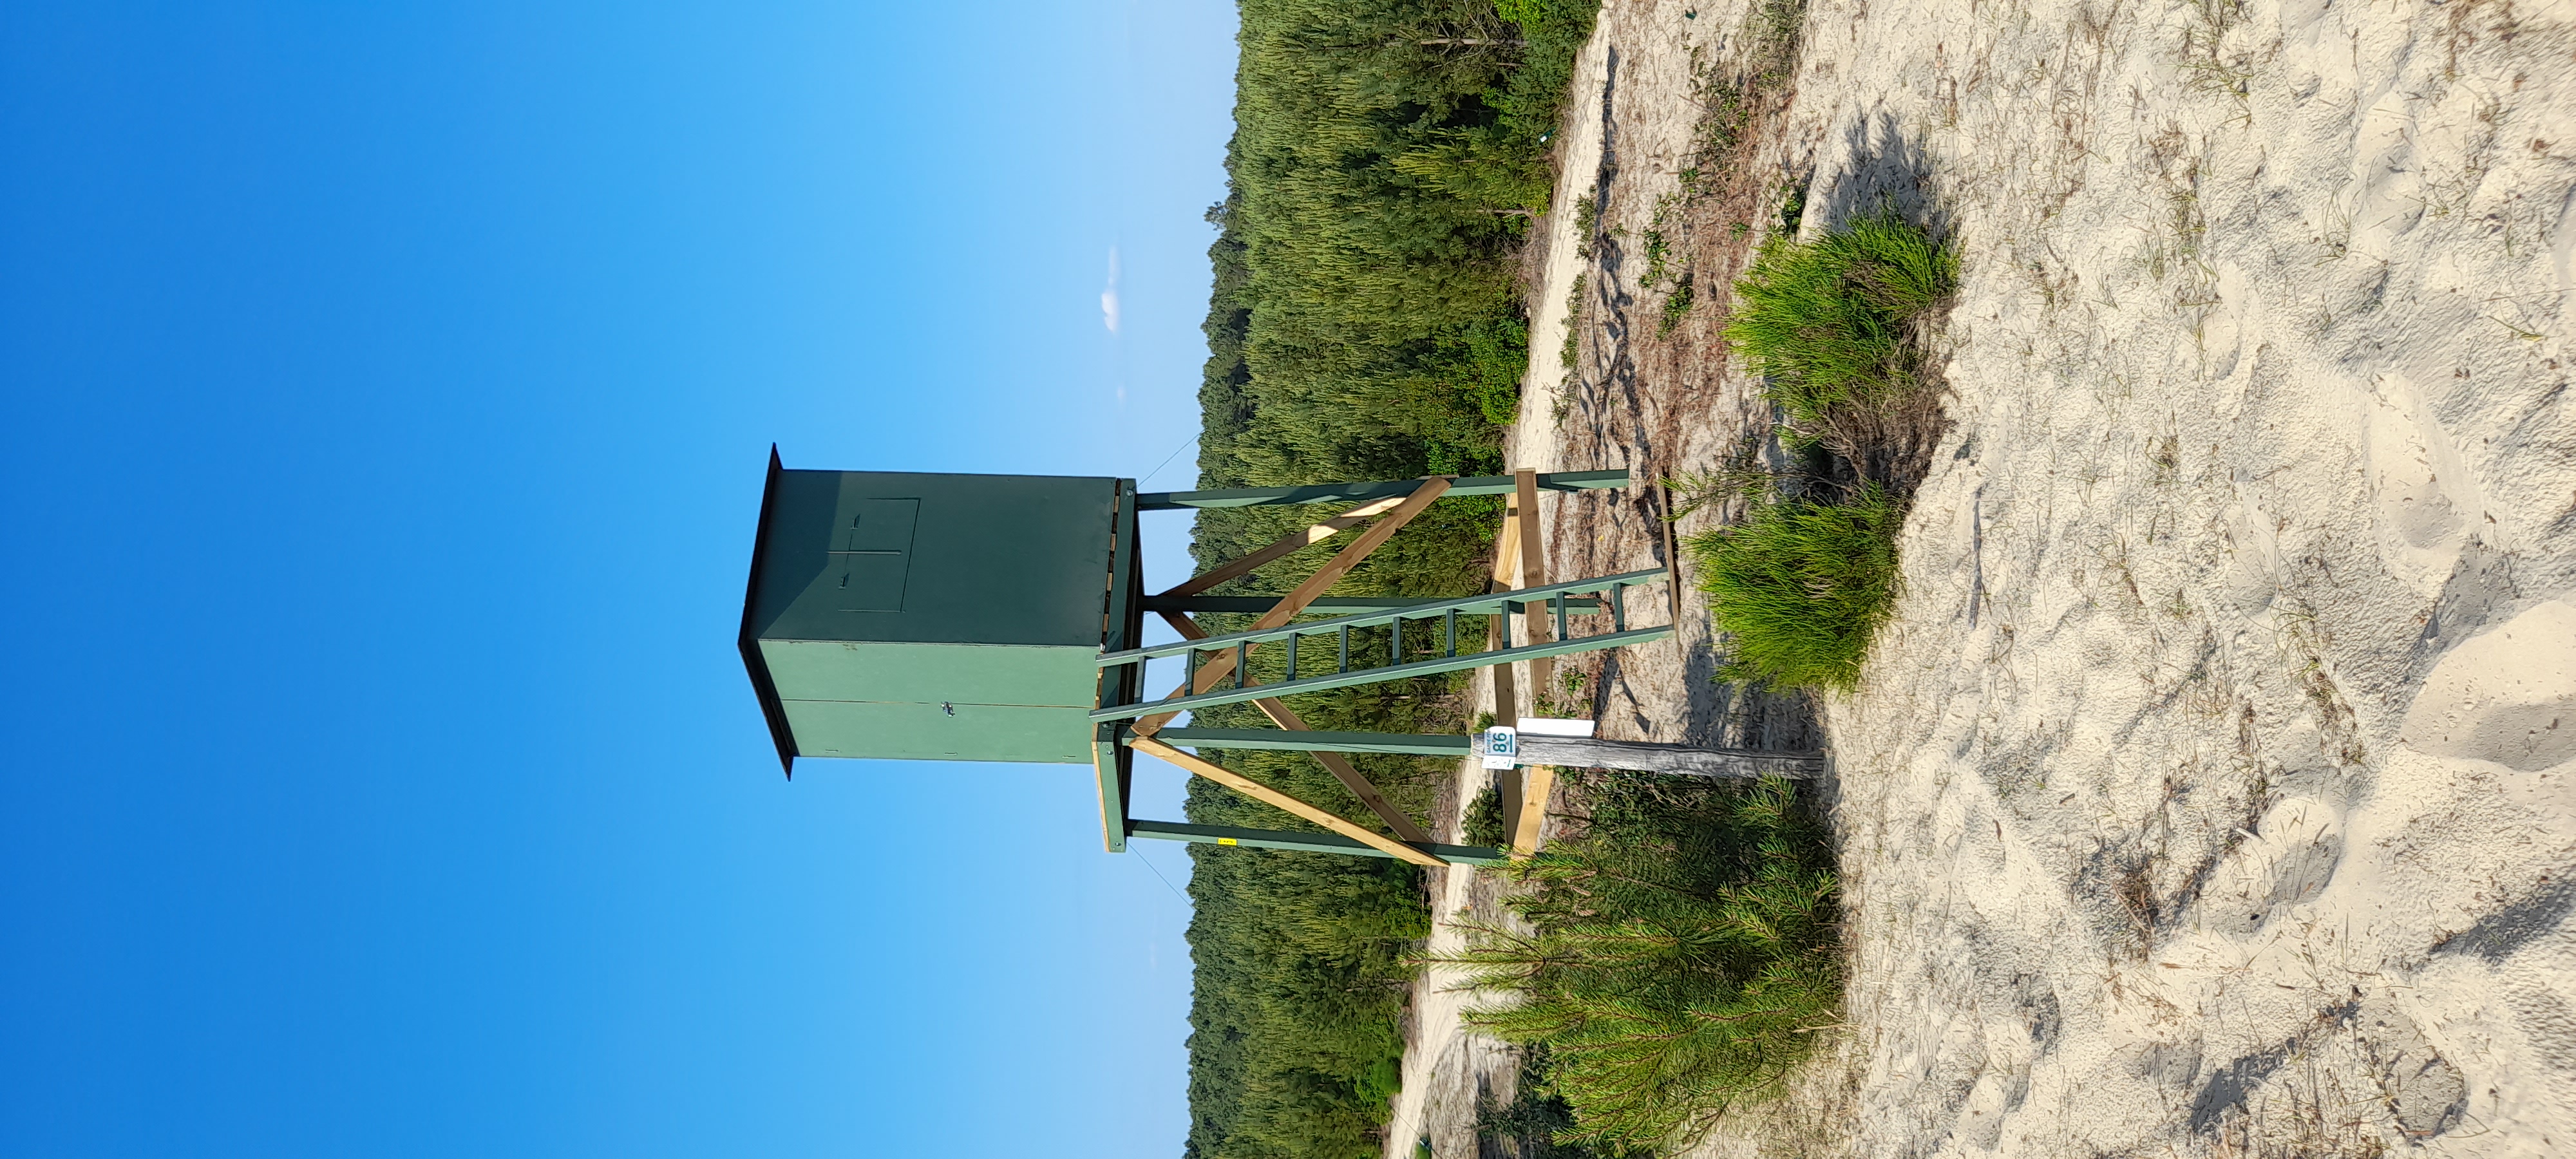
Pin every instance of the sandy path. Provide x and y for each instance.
(2211, 793)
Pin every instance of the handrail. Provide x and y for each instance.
(1347, 678)
(1463, 604)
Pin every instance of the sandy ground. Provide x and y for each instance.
(2210, 793)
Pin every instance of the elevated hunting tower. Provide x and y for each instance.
(1000, 618)
(933, 617)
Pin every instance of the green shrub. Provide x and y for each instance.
(1684, 951)
(1530, 1124)
(1484, 820)
(1677, 306)
(1553, 32)
(1830, 322)
(1483, 166)
(1800, 586)
(1497, 354)
(1832, 325)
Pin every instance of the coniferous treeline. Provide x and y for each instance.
(1387, 159)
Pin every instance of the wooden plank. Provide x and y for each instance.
(1365, 492)
(1342, 769)
(1542, 785)
(1286, 544)
(1538, 781)
(1580, 752)
(1349, 557)
(1507, 547)
(1533, 552)
(1507, 564)
(1303, 842)
(1282, 801)
(1672, 558)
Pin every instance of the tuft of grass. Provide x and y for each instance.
(1832, 325)
(1659, 253)
(1573, 324)
(1801, 585)
(1684, 952)
(1830, 322)
(1677, 306)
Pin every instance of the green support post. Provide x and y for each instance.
(1113, 763)
(1407, 744)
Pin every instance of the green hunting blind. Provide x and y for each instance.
(999, 618)
(936, 617)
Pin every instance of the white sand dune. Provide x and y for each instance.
(2211, 791)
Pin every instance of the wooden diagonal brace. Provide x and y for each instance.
(1273, 797)
(1316, 585)
(1287, 543)
(1341, 768)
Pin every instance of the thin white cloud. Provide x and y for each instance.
(1109, 295)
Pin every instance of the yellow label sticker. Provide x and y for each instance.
(1227, 841)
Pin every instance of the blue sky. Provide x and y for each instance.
(384, 392)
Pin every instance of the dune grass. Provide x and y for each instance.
(1832, 325)
(1800, 586)
(1685, 949)
(1829, 323)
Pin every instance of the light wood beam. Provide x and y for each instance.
(1538, 781)
(1285, 544)
(1507, 546)
(1273, 797)
(1542, 783)
(1341, 768)
(1533, 553)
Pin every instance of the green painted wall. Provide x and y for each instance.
(919, 616)
(925, 732)
(963, 559)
